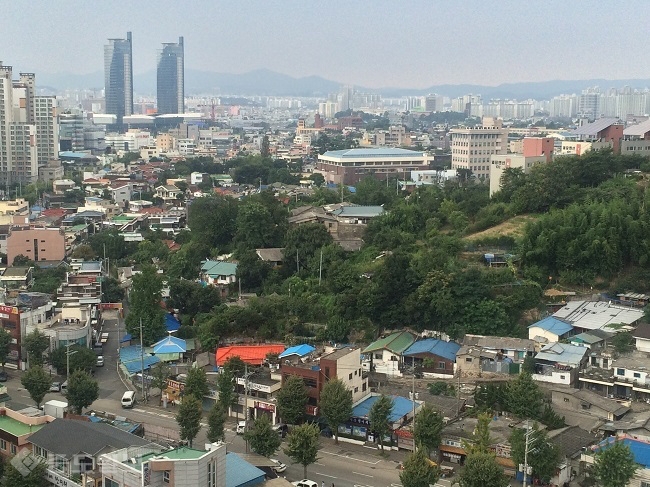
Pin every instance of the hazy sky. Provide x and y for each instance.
(375, 43)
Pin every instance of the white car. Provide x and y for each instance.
(241, 428)
(305, 483)
(279, 466)
(55, 387)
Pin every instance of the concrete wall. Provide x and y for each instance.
(50, 243)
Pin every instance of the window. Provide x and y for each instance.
(166, 476)
(562, 377)
(350, 376)
(468, 359)
(363, 387)
(212, 474)
(441, 365)
(355, 372)
(13, 449)
(620, 371)
(3, 444)
(356, 389)
(637, 375)
(59, 463)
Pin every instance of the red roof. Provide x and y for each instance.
(251, 354)
(56, 212)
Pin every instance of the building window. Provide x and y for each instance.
(441, 365)
(212, 474)
(166, 476)
(350, 376)
(3, 444)
(468, 359)
(637, 375)
(13, 449)
(356, 389)
(59, 463)
(363, 387)
(620, 371)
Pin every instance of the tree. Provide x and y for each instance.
(36, 343)
(235, 365)
(335, 404)
(263, 439)
(482, 469)
(379, 416)
(196, 383)
(418, 471)
(256, 227)
(292, 399)
(144, 304)
(623, 342)
(216, 422)
(36, 477)
(81, 358)
(37, 382)
(160, 373)
(428, 429)
(5, 346)
(83, 390)
(302, 445)
(191, 298)
(543, 455)
(84, 252)
(226, 388)
(265, 149)
(302, 243)
(614, 465)
(189, 418)
(481, 440)
(524, 397)
(111, 291)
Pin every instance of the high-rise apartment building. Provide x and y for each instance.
(471, 148)
(118, 77)
(171, 78)
(47, 129)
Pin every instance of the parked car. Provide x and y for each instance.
(241, 428)
(100, 361)
(281, 429)
(55, 387)
(305, 483)
(279, 466)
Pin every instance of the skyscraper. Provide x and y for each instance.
(118, 76)
(171, 78)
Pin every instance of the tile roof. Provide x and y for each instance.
(252, 354)
(434, 346)
(396, 342)
(571, 440)
(642, 331)
(554, 325)
(82, 437)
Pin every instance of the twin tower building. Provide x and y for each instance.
(118, 74)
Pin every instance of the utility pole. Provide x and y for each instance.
(246, 403)
(320, 270)
(529, 432)
(415, 447)
(144, 391)
(67, 359)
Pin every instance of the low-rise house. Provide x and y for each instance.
(385, 355)
(634, 299)
(296, 353)
(640, 450)
(251, 354)
(262, 389)
(549, 330)
(16, 429)
(559, 363)
(273, 257)
(571, 442)
(17, 277)
(168, 193)
(219, 273)
(598, 315)
(592, 339)
(588, 402)
(436, 357)
(642, 337)
(626, 377)
(480, 355)
(73, 447)
(155, 466)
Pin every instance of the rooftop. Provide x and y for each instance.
(592, 129)
(299, 350)
(499, 343)
(401, 407)
(434, 346)
(562, 353)
(16, 428)
(396, 342)
(359, 211)
(571, 440)
(252, 354)
(337, 354)
(638, 130)
(592, 315)
(218, 268)
(553, 325)
(370, 153)
(239, 472)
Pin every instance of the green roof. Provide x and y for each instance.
(16, 428)
(218, 268)
(396, 343)
(77, 228)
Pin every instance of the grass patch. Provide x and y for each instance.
(513, 227)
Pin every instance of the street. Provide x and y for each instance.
(345, 465)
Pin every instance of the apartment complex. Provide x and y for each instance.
(37, 244)
(118, 77)
(28, 128)
(471, 148)
(171, 78)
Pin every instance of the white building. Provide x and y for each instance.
(47, 129)
(471, 148)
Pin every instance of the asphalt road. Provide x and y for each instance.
(342, 465)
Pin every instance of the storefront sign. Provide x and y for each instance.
(59, 480)
(175, 385)
(252, 386)
(264, 405)
(9, 310)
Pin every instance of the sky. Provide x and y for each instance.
(374, 43)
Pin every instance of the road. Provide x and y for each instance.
(342, 465)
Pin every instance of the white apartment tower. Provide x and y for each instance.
(47, 129)
(471, 148)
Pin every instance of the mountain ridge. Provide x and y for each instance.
(270, 83)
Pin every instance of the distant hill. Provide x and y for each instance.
(267, 82)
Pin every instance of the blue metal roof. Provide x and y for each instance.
(74, 155)
(171, 322)
(170, 345)
(639, 449)
(434, 346)
(554, 325)
(562, 353)
(240, 473)
(401, 407)
(131, 358)
(300, 350)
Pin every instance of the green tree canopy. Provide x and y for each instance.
(524, 397)
(482, 469)
(37, 382)
(302, 445)
(614, 465)
(144, 305)
(82, 391)
(292, 400)
(216, 422)
(543, 455)
(261, 436)
(189, 418)
(418, 471)
(36, 343)
(428, 429)
(81, 358)
(5, 346)
(379, 416)
(196, 383)
(335, 404)
(12, 477)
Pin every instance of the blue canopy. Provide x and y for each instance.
(171, 323)
(299, 350)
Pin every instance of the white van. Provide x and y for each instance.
(241, 428)
(128, 399)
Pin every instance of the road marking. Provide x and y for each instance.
(370, 447)
(363, 474)
(325, 475)
(351, 458)
(321, 464)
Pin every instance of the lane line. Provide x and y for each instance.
(363, 474)
(325, 475)
(351, 458)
